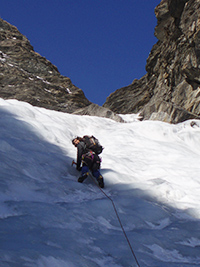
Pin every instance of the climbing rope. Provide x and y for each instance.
(119, 221)
(136, 260)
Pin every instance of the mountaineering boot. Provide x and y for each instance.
(100, 181)
(82, 178)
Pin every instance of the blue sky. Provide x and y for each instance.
(101, 45)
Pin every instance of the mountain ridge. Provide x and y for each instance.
(170, 90)
(29, 77)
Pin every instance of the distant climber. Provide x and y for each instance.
(87, 159)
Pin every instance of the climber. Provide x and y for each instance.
(87, 160)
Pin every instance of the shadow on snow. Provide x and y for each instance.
(44, 212)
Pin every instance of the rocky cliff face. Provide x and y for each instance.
(170, 91)
(29, 77)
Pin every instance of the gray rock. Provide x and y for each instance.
(27, 76)
(170, 91)
(96, 110)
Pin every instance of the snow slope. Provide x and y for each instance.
(151, 171)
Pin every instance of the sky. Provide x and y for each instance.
(49, 219)
(101, 45)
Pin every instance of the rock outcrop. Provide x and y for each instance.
(98, 111)
(29, 77)
(170, 91)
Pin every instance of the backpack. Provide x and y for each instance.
(92, 143)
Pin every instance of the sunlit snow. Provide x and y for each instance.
(151, 171)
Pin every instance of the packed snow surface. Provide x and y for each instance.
(152, 174)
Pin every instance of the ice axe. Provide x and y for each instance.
(73, 162)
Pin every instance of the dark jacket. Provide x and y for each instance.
(87, 157)
(81, 149)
